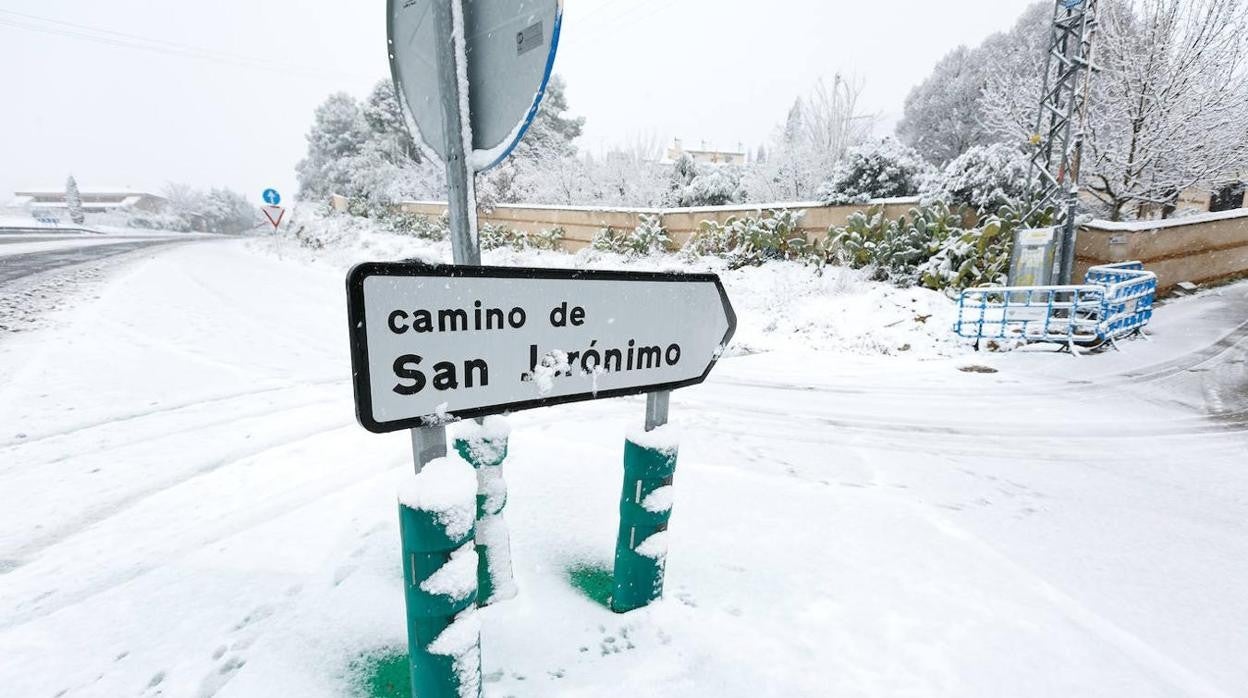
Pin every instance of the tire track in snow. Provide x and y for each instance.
(67, 527)
(34, 608)
(1151, 660)
(123, 418)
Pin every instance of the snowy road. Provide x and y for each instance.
(46, 254)
(187, 508)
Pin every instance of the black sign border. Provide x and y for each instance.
(359, 335)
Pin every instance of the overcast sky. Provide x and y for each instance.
(223, 92)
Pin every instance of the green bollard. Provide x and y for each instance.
(439, 575)
(484, 445)
(645, 508)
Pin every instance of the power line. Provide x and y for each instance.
(107, 37)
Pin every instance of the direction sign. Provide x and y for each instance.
(271, 197)
(435, 343)
(274, 214)
(510, 51)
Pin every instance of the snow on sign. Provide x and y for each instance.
(509, 49)
(436, 343)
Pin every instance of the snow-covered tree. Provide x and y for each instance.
(338, 133)
(1168, 106)
(885, 168)
(384, 117)
(73, 201)
(942, 119)
(818, 131)
(975, 96)
(536, 171)
(985, 177)
(703, 184)
(216, 210)
(1013, 63)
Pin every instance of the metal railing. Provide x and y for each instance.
(1114, 301)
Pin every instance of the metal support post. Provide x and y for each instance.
(429, 546)
(485, 447)
(462, 200)
(645, 509)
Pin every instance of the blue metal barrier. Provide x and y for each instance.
(1114, 301)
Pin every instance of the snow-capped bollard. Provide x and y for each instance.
(484, 445)
(436, 517)
(645, 507)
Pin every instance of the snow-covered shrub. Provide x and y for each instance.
(417, 225)
(146, 220)
(877, 170)
(975, 257)
(494, 236)
(896, 248)
(985, 177)
(752, 240)
(648, 237)
(703, 184)
(980, 256)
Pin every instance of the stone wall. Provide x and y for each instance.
(1201, 249)
(582, 223)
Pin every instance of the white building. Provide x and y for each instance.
(52, 201)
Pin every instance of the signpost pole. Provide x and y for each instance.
(432, 674)
(495, 578)
(461, 201)
(645, 508)
(439, 668)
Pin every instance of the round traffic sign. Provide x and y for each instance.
(510, 50)
(271, 197)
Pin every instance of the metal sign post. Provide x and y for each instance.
(470, 77)
(490, 46)
(462, 199)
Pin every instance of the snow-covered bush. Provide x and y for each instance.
(896, 248)
(417, 225)
(985, 177)
(703, 184)
(753, 240)
(877, 170)
(216, 210)
(980, 256)
(649, 237)
(930, 246)
(495, 236)
(975, 257)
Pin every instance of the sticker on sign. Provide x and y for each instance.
(432, 344)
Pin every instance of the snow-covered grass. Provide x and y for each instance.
(188, 508)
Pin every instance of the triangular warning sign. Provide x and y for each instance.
(274, 214)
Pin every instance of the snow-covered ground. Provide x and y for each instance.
(187, 507)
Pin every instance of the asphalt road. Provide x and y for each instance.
(13, 267)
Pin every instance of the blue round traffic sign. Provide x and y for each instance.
(271, 197)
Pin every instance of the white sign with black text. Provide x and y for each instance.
(436, 343)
